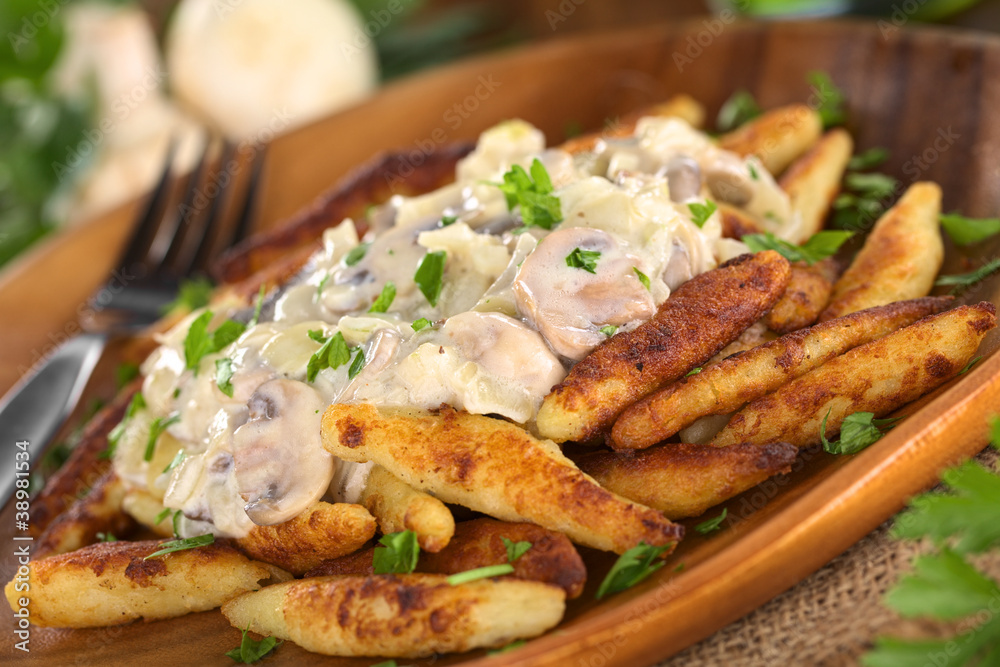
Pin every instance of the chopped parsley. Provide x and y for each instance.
(106, 537)
(137, 403)
(258, 306)
(753, 171)
(224, 375)
(966, 231)
(321, 285)
(191, 295)
(737, 110)
(693, 371)
(385, 298)
(643, 278)
(357, 364)
(513, 646)
(870, 159)
(125, 373)
(333, 353)
(480, 573)
(583, 259)
(397, 554)
(700, 213)
(180, 456)
(421, 324)
(156, 429)
(714, 524)
(448, 220)
(251, 650)
(515, 549)
(632, 567)
(856, 432)
(968, 366)
(429, 275)
(200, 342)
(533, 194)
(819, 246)
(963, 281)
(831, 99)
(609, 330)
(182, 545)
(356, 254)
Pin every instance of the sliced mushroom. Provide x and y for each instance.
(508, 349)
(379, 353)
(569, 305)
(281, 467)
(728, 180)
(679, 268)
(683, 178)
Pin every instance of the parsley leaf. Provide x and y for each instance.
(966, 231)
(224, 375)
(114, 435)
(710, 525)
(964, 281)
(609, 330)
(831, 99)
(321, 285)
(385, 298)
(737, 110)
(125, 373)
(398, 554)
(819, 246)
(643, 278)
(356, 254)
(856, 432)
(968, 367)
(191, 295)
(513, 646)
(421, 324)
(515, 549)
(156, 429)
(199, 342)
(480, 573)
(871, 185)
(753, 171)
(257, 307)
(333, 353)
(182, 545)
(583, 259)
(448, 220)
(632, 567)
(872, 157)
(106, 537)
(539, 208)
(180, 456)
(700, 213)
(429, 275)
(163, 514)
(693, 371)
(251, 650)
(356, 365)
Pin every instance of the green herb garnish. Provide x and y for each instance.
(356, 365)
(420, 324)
(700, 213)
(156, 429)
(385, 298)
(515, 549)
(106, 537)
(831, 99)
(693, 371)
(397, 554)
(857, 431)
(737, 110)
(251, 650)
(125, 373)
(819, 246)
(199, 342)
(191, 295)
(539, 208)
(356, 254)
(609, 330)
(872, 157)
(968, 366)
(710, 525)
(333, 353)
(964, 281)
(513, 646)
(430, 274)
(583, 259)
(448, 220)
(134, 405)
(224, 375)
(180, 456)
(257, 307)
(182, 545)
(643, 278)
(480, 573)
(632, 567)
(966, 231)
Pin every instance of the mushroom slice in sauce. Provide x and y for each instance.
(569, 305)
(281, 467)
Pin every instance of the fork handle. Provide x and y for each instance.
(35, 409)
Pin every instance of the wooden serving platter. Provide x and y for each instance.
(926, 95)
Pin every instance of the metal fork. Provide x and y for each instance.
(168, 244)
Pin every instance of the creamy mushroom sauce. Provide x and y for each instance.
(511, 319)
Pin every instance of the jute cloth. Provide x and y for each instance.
(832, 617)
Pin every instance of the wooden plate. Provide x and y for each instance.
(924, 94)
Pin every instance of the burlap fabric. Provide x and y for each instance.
(832, 617)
